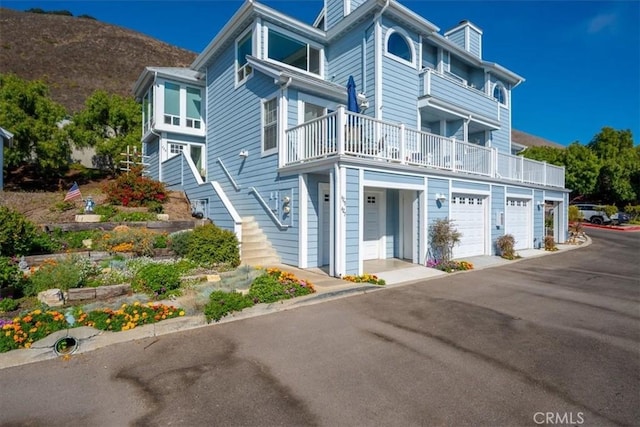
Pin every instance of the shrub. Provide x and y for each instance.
(160, 241)
(133, 189)
(443, 236)
(160, 280)
(365, 278)
(133, 217)
(609, 210)
(550, 244)
(10, 274)
(276, 285)
(19, 236)
(222, 303)
(155, 207)
(450, 266)
(74, 239)
(138, 241)
(106, 212)
(8, 304)
(506, 244)
(71, 272)
(575, 214)
(213, 246)
(179, 242)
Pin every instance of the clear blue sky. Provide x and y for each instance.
(580, 59)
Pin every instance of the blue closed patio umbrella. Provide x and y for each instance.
(352, 96)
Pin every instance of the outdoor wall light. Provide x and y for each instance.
(540, 205)
(441, 197)
(244, 154)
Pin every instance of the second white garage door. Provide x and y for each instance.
(468, 213)
(518, 221)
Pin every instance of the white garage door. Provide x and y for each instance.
(518, 221)
(371, 235)
(468, 213)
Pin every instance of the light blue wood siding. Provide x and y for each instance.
(152, 152)
(172, 173)
(518, 191)
(369, 72)
(474, 43)
(464, 97)
(334, 12)
(400, 85)
(234, 124)
(497, 207)
(429, 55)
(457, 37)
(455, 130)
(471, 186)
(344, 58)
(388, 177)
(392, 248)
(352, 217)
(437, 210)
(538, 220)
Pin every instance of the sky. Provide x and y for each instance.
(580, 59)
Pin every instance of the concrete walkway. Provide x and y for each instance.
(394, 272)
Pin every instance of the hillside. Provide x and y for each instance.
(77, 56)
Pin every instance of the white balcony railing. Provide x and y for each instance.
(343, 133)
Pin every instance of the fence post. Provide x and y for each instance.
(341, 125)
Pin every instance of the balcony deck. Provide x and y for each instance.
(367, 138)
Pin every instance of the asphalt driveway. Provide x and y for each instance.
(551, 340)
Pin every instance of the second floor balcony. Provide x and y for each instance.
(342, 133)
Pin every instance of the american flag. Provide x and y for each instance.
(73, 193)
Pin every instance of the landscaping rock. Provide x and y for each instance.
(112, 291)
(213, 277)
(163, 217)
(51, 297)
(87, 243)
(87, 218)
(78, 294)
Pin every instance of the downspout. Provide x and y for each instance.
(283, 113)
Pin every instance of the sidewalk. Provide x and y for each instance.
(327, 288)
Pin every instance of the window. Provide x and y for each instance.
(193, 108)
(499, 94)
(270, 125)
(175, 149)
(293, 52)
(172, 104)
(243, 48)
(145, 112)
(397, 45)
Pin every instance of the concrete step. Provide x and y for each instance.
(264, 261)
(258, 252)
(256, 245)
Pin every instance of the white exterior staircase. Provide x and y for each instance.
(256, 250)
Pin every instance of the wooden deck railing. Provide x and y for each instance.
(343, 133)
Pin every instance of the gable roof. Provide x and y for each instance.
(176, 73)
(524, 140)
(5, 135)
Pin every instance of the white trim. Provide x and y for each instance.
(303, 222)
(391, 185)
(322, 188)
(346, 9)
(235, 59)
(407, 39)
(381, 203)
(275, 95)
(229, 206)
(343, 218)
(361, 228)
(424, 219)
(378, 68)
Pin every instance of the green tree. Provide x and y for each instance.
(582, 167)
(29, 113)
(109, 123)
(620, 164)
(551, 155)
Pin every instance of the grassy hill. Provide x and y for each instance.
(77, 56)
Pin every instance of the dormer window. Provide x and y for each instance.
(399, 46)
(288, 50)
(500, 94)
(244, 47)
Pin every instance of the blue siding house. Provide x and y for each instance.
(257, 133)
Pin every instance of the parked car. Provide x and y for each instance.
(593, 213)
(620, 218)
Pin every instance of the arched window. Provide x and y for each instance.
(398, 45)
(499, 94)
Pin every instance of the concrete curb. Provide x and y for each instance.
(613, 227)
(90, 339)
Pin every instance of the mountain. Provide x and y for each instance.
(76, 56)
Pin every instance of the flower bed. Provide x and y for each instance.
(22, 332)
(366, 278)
(450, 266)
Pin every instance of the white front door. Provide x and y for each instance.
(324, 224)
(468, 213)
(371, 230)
(518, 221)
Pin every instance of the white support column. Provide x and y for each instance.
(303, 232)
(341, 130)
(332, 222)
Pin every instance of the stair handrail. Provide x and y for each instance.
(226, 172)
(265, 205)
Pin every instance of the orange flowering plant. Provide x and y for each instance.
(366, 278)
(21, 332)
(128, 316)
